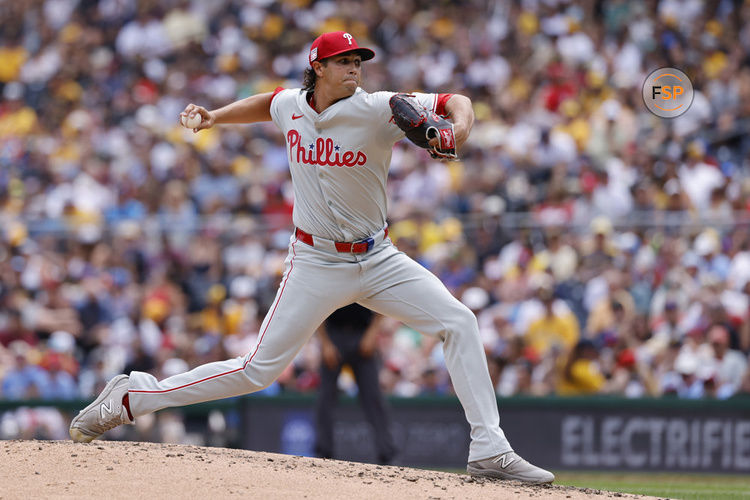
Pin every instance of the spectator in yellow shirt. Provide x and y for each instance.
(553, 329)
(581, 374)
(16, 118)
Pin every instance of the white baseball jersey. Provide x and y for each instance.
(343, 150)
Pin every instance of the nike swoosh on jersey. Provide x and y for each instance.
(296, 117)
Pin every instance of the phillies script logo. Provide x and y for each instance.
(322, 152)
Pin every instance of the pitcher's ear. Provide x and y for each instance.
(317, 66)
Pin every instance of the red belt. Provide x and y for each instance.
(363, 246)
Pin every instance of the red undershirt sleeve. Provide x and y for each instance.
(441, 101)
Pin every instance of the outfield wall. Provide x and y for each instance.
(602, 433)
(559, 433)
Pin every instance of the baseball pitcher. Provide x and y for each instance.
(339, 140)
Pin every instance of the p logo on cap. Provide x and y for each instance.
(335, 43)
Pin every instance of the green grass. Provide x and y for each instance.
(683, 486)
(665, 485)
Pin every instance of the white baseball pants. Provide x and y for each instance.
(317, 281)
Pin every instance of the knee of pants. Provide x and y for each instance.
(462, 323)
(260, 378)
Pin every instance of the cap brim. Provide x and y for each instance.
(365, 54)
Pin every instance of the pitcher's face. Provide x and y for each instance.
(341, 74)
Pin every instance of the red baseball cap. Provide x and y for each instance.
(335, 43)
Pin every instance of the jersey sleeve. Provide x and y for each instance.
(433, 102)
(281, 99)
(276, 92)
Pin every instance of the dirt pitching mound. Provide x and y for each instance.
(128, 470)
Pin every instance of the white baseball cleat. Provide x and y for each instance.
(105, 413)
(510, 466)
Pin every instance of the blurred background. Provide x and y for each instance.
(605, 251)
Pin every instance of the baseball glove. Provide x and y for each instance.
(420, 125)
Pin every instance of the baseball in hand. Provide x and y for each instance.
(191, 121)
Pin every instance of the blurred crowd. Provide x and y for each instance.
(604, 250)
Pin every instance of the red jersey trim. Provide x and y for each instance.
(276, 91)
(442, 100)
(281, 294)
(311, 101)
